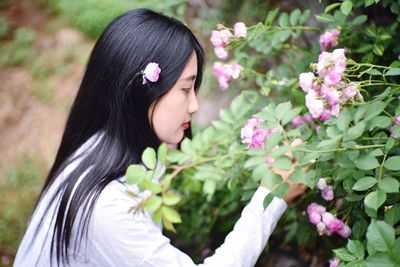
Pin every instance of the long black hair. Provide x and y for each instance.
(113, 101)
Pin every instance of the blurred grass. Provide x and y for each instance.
(92, 16)
(20, 185)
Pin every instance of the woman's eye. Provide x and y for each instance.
(186, 90)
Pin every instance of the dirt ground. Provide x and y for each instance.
(28, 124)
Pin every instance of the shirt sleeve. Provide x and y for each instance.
(139, 239)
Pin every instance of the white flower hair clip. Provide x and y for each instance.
(151, 73)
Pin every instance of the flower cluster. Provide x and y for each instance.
(326, 190)
(305, 119)
(221, 37)
(326, 223)
(329, 39)
(326, 91)
(225, 73)
(254, 136)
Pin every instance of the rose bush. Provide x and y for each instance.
(341, 96)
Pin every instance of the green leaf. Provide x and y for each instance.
(364, 183)
(378, 49)
(151, 186)
(392, 215)
(344, 254)
(167, 224)
(271, 16)
(392, 163)
(272, 141)
(254, 161)
(283, 163)
(374, 109)
(346, 7)
(380, 236)
(356, 248)
(396, 131)
(153, 204)
(375, 199)
(281, 190)
(149, 158)
(359, 20)
(325, 18)
(284, 19)
(379, 260)
(355, 131)
(134, 174)
(331, 6)
(359, 229)
(389, 185)
(380, 122)
(344, 120)
(389, 144)
(171, 214)
(294, 17)
(374, 72)
(299, 176)
(162, 153)
(289, 116)
(367, 162)
(209, 186)
(393, 72)
(171, 198)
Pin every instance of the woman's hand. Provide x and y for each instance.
(294, 189)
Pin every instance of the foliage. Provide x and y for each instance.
(355, 150)
(18, 186)
(92, 20)
(18, 51)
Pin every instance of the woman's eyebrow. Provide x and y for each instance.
(190, 78)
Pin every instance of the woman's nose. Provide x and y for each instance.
(193, 104)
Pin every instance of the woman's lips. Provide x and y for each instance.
(185, 125)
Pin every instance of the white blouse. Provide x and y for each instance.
(117, 237)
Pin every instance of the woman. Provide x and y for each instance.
(139, 89)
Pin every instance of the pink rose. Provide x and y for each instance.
(216, 39)
(246, 134)
(326, 114)
(327, 217)
(314, 207)
(329, 39)
(151, 72)
(331, 65)
(298, 120)
(240, 29)
(315, 106)
(225, 34)
(259, 137)
(334, 262)
(327, 193)
(220, 52)
(314, 218)
(335, 225)
(345, 232)
(225, 73)
(253, 122)
(350, 92)
(306, 80)
(234, 70)
(397, 120)
(321, 184)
